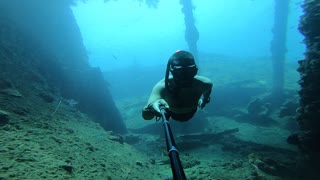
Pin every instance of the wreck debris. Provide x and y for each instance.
(309, 111)
(206, 137)
(309, 69)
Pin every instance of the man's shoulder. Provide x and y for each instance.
(160, 84)
(203, 79)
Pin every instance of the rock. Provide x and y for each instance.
(68, 167)
(11, 92)
(4, 84)
(305, 140)
(288, 109)
(139, 163)
(132, 139)
(117, 138)
(189, 162)
(46, 97)
(257, 107)
(4, 117)
(270, 166)
(21, 111)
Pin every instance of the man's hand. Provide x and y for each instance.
(155, 106)
(202, 103)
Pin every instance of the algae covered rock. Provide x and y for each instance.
(4, 117)
(11, 92)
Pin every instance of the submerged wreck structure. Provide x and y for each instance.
(48, 38)
(308, 137)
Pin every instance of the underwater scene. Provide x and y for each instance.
(160, 89)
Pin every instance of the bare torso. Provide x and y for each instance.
(184, 100)
(180, 100)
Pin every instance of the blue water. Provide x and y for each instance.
(120, 34)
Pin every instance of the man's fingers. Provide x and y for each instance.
(200, 103)
(156, 107)
(157, 104)
(164, 103)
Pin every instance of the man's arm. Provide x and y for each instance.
(206, 88)
(206, 94)
(148, 112)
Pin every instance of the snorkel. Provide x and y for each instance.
(183, 69)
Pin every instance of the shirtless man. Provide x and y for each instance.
(182, 92)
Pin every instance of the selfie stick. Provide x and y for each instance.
(176, 167)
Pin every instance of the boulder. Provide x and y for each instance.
(4, 117)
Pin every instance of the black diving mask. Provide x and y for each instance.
(184, 73)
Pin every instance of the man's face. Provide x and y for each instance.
(183, 74)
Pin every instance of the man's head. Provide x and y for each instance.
(181, 58)
(182, 67)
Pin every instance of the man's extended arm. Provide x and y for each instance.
(155, 100)
(206, 88)
(207, 93)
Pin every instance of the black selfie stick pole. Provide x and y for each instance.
(176, 167)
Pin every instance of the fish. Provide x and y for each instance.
(114, 57)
